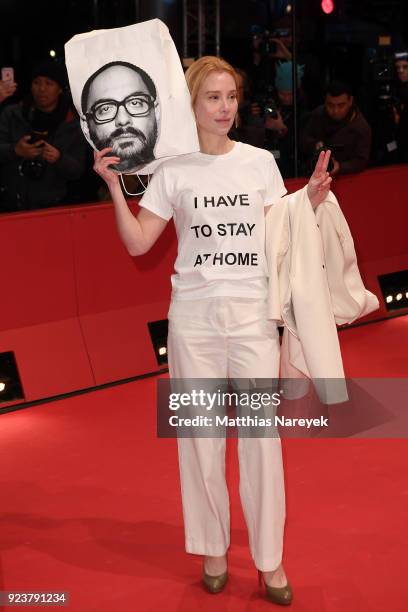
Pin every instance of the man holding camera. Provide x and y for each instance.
(340, 126)
(41, 144)
(280, 119)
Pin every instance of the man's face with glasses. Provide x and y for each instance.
(121, 114)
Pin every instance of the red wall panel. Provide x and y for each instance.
(375, 204)
(119, 294)
(107, 276)
(37, 271)
(51, 358)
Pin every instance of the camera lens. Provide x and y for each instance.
(32, 168)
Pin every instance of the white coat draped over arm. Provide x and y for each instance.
(314, 284)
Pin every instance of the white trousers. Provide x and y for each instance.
(227, 337)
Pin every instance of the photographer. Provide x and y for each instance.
(268, 121)
(41, 144)
(279, 118)
(401, 110)
(268, 48)
(340, 126)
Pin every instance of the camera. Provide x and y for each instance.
(267, 104)
(32, 168)
(333, 148)
(265, 44)
(381, 63)
(270, 109)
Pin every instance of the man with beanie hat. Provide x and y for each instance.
(41, 143)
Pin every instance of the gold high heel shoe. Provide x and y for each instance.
(279, 595)
(214, 584)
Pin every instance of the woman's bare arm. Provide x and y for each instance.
(137, 233)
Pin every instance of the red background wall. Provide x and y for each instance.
(74, 305)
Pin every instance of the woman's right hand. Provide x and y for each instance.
(101, 166)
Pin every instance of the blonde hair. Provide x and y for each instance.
(201, 68)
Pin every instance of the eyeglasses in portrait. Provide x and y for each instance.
(120, 109)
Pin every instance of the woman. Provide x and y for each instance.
(217, 318)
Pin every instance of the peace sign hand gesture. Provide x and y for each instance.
(319, 184)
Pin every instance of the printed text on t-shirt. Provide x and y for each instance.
(224, 229)
(241, 199)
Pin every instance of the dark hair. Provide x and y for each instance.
(148, 81)
(338, 88)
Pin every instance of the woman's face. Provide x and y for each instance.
(216, 104)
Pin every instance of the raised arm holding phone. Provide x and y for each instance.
(7, 85)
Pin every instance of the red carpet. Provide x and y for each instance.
(90, 504)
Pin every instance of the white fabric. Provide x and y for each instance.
(219, 338)
(314, 283)
(218, 206)
(349, 298)
(147, 45)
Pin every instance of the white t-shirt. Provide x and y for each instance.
(217, 202)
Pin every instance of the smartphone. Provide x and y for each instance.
(36, 136)
(7, 75)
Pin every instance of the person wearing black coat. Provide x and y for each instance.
(41, 144)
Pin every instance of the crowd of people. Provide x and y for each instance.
(46, 161)
(326, 117)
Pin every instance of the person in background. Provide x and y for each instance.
(270, 125)
(248, 126)
(340, 126)
(401, 66)
(279, 122)
(41, 144)
(401, 111)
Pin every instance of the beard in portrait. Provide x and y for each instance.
(120, 110)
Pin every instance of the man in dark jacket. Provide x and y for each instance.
(41, 144)
(401, 112)
(341, 127)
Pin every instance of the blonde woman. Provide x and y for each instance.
(218, 198)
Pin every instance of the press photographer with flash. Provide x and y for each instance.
(41, 144)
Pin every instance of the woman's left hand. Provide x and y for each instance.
(319, 184)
